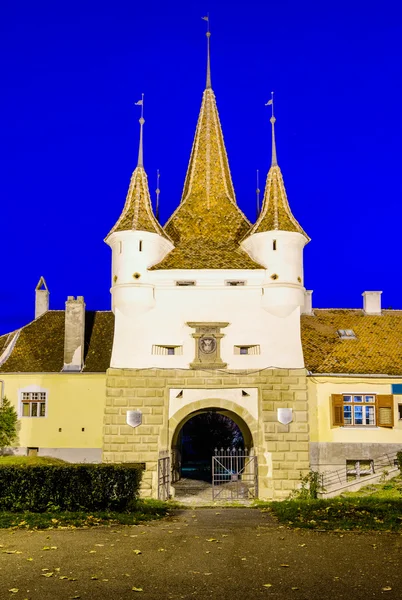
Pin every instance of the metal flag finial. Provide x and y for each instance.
(208, 34)
(274, 161)
(140, 162)
(157, 195)
(258, 193)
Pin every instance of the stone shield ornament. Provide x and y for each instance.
(207, 344)
(285, 415)
(134, 418)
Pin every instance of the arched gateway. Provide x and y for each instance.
(212, 452)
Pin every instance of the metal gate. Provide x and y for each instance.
(164, 477)
(234, 475)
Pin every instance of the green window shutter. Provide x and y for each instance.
(385, 410)
(337, 410)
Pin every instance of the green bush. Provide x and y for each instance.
(69, 487)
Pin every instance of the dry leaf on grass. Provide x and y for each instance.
(137, 551)
(135, 589)
(387, 588)
(47, 574)
(267, 585)
(14, 590)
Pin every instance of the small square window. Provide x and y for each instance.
(243, 350)
(347, 398)
(170, 351)
(357, 398)
(400, 411)
(369, 399)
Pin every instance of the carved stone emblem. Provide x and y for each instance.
(207, 345)
(134, 418)
(285, 415)
(207, 338)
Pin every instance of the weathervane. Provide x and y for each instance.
(208, 34)
(142, 121)
(274, 161)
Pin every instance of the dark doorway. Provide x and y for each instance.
(198, 439)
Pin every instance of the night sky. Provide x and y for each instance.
(72, 71)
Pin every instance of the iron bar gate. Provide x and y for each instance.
(164, 476)
(234, 474)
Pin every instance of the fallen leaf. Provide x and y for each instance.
(137, 551)
(212, 540)
(100, 545)
(9, 551)
(46, 548)
(105, 579)
(135, 589)
(161, 549)
(45, 569)
(302, 545)
(283, 565)
(267, 585)
(294, 588)
(47, 574)
(72, 579)
(92, 552)
(63, 577)
(94, 577)
(387, 588)
(53, 547)
(207, 573)
(29, 559)
(14, 590)
(244, 558)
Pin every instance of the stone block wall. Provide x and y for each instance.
(282, 450)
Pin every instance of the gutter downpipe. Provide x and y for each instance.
(2, 392)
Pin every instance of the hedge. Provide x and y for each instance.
(69, 487)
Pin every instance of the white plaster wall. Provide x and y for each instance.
(157, 313)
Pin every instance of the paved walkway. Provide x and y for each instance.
(223, 554)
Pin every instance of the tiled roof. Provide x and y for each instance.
(275, 213)
(40, 344)
(376, 349)
(137, 213)
(208, 225)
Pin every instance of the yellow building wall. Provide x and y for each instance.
(74, 401)
(320, 390)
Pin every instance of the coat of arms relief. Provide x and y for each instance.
(207, 338)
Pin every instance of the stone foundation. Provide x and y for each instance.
(282, 450)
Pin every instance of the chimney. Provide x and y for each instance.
(41, 298)
(308, 303)
(74, 334)
(372, 303)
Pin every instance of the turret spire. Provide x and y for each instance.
(208, 34)
(274, 162)
(140, 162)
(275, 211)
(158, 191)
(137, 213)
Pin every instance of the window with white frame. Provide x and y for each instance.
(359, 409)
(33, 404)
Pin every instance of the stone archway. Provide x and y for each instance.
(198, 485)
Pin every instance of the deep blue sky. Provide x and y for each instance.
(71, 72)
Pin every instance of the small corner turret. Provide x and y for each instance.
(137, 239)
(277, 240)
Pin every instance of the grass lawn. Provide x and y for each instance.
(374, 508)
(30, 460)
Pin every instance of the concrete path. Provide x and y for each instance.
(223, 554)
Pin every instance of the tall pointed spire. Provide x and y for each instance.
(207, 225)
(275, 212)
(137, 214)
